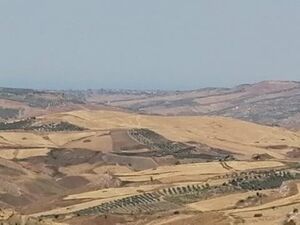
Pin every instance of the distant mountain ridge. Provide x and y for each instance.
(267, 102)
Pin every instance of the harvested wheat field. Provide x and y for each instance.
(113, 192)
(188, 171)
(237, 136)
(115, 167)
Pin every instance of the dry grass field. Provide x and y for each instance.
(113, 192)
(176, 170)
(23, 153)
(191, 172)
(240, 137)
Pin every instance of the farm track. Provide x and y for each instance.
(226, 166)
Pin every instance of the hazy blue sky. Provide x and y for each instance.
(147, 44)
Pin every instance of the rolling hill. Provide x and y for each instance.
(88, 157)
(273, 103)
(240, 137)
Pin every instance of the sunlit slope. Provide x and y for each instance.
(39, 140)
(234, 135)
(21, 144)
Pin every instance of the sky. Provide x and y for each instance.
(142, 44)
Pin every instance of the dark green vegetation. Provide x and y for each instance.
(56, 127)
(17, 125)
(160, 146)
(157, 142)
(142, 203)
(21, 103)
(262, 180)
(32, 124)
(40, 99)
(175, 196)
(8, 113)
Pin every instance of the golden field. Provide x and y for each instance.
(69, 172)
(234, 135)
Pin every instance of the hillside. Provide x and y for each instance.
(149, 157)
(113, 167)
(267, 102)
(233, 135)
(275, 103)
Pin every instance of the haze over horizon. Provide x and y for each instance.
(140, 89)
(170, 45)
